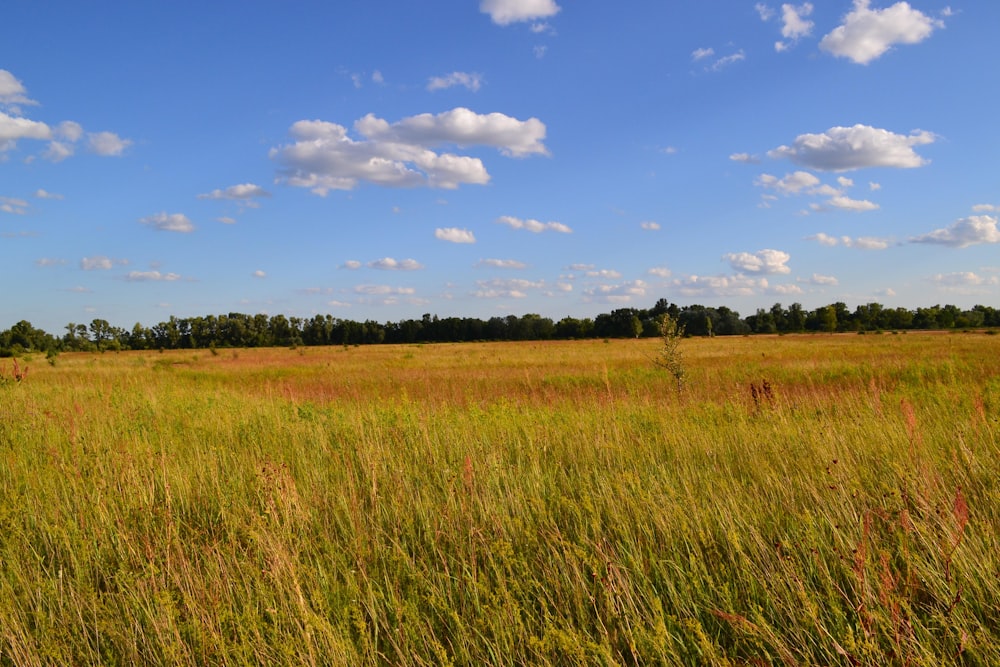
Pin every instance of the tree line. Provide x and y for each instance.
(237, 330)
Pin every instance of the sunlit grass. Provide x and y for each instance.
(517, 503)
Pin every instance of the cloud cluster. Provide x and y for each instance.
(858, 147)
(533, 225)
(738, 285)
(625, 292)
(151, 276)
(501, 264)
(390, 264)
(804, 183)
(13, 206)
(867, 33)
(794, 24)
(245, 192)
(324, 158)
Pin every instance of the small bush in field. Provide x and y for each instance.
(670, 357)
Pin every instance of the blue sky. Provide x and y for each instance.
(487, 157)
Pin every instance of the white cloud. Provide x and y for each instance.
(13, 206)
(69, 130)
(96, 263)
(649, 225)
(791, 184)
(226, 220)
(107, 144)
(660, 272)
(818, 279)
(470, 80)
(738, 285)
(795, 26)
(533, 225)
(461, 127)
(383, 290)
(324, 158)
(242, 192)
(540, 51)
(58, 151)
(151, 276)
(745, 158)
(726, 61)
(763, 261)
(873, 186)
(865, 242)
(580, 267)
(42, 194)
(607, 274)
(621, 293)
(172, 222)
(849, 204)
(867, 33)
(49, 261)
(963, 279)
(377, 77)
(390, 264)
(857, 147)
(824, 239)
(766, 13)
(12, 91)
(505, 12)
(454, 235)
(259, 274)
(845, 182)
(501, 264)
(965, 232)
(785, 289)
(701, 54)
(985, 208)
(13, 128)
(351, 264)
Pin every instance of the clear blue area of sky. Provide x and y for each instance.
(486, 157)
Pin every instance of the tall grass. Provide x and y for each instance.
(550, 504)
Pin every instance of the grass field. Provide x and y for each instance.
(806, 500)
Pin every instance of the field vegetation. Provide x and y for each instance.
(799, 500)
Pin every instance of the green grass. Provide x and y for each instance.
(539, 503)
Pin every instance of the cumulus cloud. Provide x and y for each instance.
(470, 80)
(867, 34)
(259, 274)
(390, 264)
(226, 220)
(58, 151)
(324, 158)
(243, 192)
(763, 261)
(963, 279)
(151, 276)
(501, 264)
(788, 289)
(861, 242)
(794, 24)
(620, 293)
(13, 206)
(12, 92)
(857, 147)
(766, 13)
(107, 144)
(745, 158)
(985, 208)
(13, 128)
(973, 230)
(818, 279)
(660, 272)
(848, 204)
(607, 274)
(96, 263)
(701, 54)
(351, 264)
(383, 290)
(43, 194)
(738, 285)
(533, 225)
(649, 225)
(505, 12)
(454, 235)
(791, 184)
(513, 288)
(169, 222)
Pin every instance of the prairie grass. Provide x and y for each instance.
(518, 503)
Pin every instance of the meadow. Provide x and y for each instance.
(804, 500)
